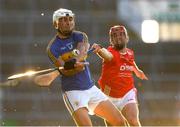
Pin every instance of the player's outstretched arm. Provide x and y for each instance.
(103, 53)
(139, 73)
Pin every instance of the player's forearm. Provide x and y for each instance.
(136, 71)
(83, 48)
(135, 68)
(105, 54)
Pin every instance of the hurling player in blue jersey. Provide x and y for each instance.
(80, 94)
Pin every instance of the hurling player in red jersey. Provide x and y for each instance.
(116, 79)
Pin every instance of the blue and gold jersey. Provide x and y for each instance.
(56, 48)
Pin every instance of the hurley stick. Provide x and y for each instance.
(46, 79)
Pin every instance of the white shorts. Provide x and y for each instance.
(84, 98)
(129, 97)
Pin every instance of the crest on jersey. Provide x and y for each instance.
(70, 46)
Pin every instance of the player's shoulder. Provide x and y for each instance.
(111, 49)
(51, 42)
(130, 51)
(79, 33)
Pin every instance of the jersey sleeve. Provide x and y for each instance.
(132, 56)
(80, 37)
(85, 38)
(53, 53)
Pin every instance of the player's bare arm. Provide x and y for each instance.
(83, 48)
(103, 53)
(139, 73)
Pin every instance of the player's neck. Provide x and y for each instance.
(62, 36)
(123, 50)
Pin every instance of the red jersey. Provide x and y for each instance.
(117, 78)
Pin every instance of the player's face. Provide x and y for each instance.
(65, 25)
(118, 39)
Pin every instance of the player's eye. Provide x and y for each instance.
(70, 18)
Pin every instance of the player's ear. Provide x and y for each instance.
(55, 24)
